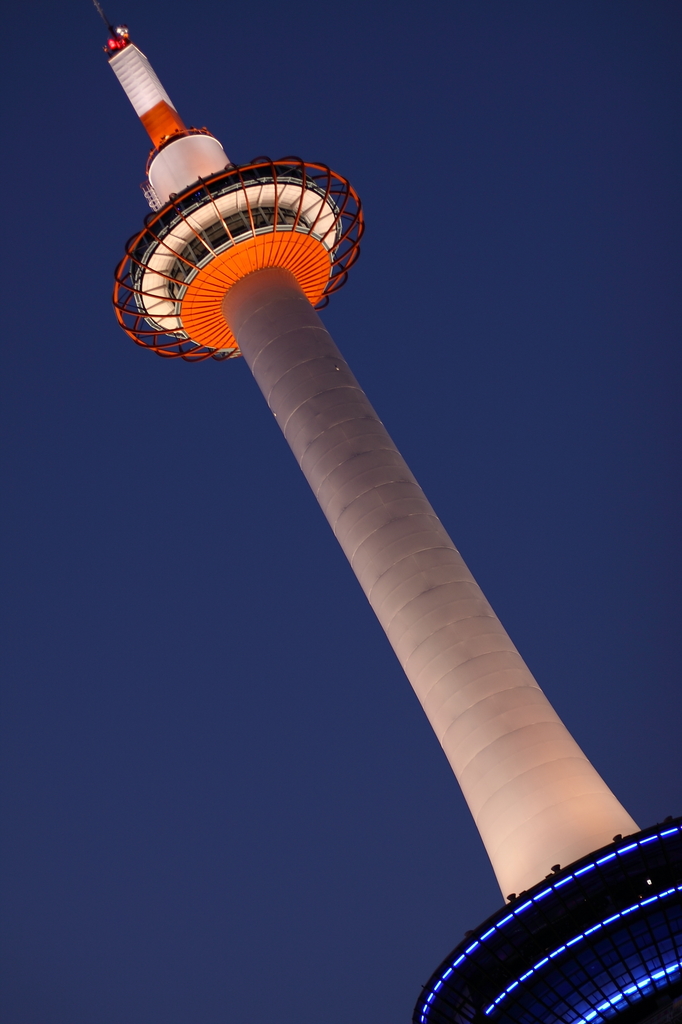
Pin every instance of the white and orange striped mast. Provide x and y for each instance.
(193, 154)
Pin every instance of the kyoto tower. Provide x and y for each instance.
(235, 261)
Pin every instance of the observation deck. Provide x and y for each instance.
(597, 940)
(271, 213)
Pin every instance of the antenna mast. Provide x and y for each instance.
(98, 8)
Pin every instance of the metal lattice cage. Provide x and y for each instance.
(287, 213)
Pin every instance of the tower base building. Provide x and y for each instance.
(597, 940)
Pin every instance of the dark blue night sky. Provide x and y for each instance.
(221, 800)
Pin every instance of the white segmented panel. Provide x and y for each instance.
(138, 78)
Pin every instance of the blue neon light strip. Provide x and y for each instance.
(535, 899)
(629, 991)
(578, 938)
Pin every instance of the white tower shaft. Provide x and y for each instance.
(536, 799)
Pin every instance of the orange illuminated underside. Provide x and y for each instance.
(303, 255)
(161, 121)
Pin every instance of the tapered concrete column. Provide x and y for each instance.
(536, 799)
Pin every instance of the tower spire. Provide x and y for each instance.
(181, 155)
(151, 102)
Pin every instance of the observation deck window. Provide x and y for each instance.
(216, 237)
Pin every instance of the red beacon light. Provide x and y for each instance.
(119, 40)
